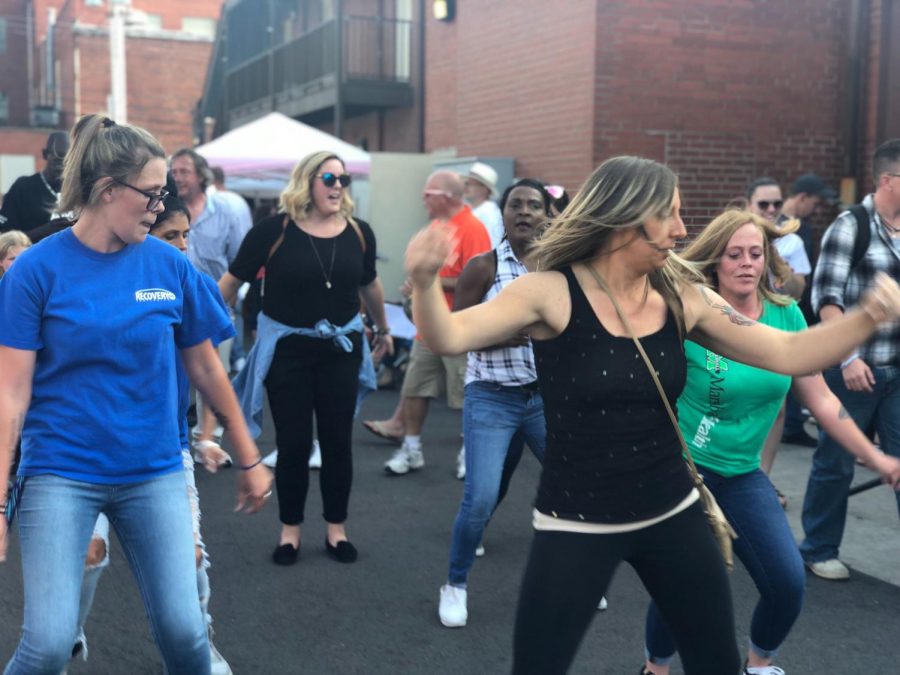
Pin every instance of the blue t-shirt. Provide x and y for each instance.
(105, 327)
(226, 330)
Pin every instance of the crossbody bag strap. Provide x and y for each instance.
(275, 246)
(695, 475)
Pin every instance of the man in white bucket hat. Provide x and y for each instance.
(481, 190)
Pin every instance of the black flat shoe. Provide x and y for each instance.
(344, 552)
(285, 554)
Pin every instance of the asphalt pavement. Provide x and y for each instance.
(380, 614)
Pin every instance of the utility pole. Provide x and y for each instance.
(118, 90)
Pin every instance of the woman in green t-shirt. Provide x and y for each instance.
(725, 413)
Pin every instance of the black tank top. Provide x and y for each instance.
(612, 455)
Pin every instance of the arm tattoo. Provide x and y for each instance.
(843, 414)
(735, 317)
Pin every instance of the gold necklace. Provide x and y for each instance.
(319, 259)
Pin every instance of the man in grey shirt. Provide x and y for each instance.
(217, 230)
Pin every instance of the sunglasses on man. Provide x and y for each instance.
(764, 204)
(330, 179)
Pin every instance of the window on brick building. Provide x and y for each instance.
(4, 108)
(2, 35)
(153, 21)
(199, 26)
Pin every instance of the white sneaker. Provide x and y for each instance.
(315, 459)
(479, 552)
(763, 670)
(602, 607)
(217, 662)
(461, 463)
(404, 459)
(833, 570)
(271, 459)
(452, 610)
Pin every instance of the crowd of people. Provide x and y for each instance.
(567, 325)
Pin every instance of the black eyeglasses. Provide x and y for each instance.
(329, 179)
(763, 204)
(153, 198)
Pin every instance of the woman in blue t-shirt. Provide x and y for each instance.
(725, 413)
(87, 324)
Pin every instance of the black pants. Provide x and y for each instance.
(679, 564)
(310, 375)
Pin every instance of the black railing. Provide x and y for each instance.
(374, 49)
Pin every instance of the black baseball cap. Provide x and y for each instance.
(811, 184)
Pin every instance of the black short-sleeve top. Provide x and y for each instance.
(295, 278)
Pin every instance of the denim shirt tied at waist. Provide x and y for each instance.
(249, 384)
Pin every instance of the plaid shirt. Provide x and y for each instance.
(834, 283)
(507, 366)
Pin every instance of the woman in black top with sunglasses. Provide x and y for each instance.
(318, 261)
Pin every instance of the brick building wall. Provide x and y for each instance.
(721, 90)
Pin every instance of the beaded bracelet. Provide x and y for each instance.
(250, 466)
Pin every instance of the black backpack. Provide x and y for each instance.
(860, 246)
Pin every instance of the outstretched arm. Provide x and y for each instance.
(716, 325)
(834, 418)
(517, 307)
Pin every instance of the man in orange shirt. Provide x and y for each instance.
(443, 196)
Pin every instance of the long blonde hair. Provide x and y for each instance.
(103, 149)
(11, 239)
(296, 199)
(708, 248)
(621, 194)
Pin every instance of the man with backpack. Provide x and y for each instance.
(859, 244)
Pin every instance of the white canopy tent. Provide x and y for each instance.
(259, 156)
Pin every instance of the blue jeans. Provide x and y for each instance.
(497, 422)
(153, 522)
(767, 549)
(825, 504)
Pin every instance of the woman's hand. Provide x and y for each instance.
(428, 251)
(889, 469)
(254, 488)
(882, 300)
(381, 345)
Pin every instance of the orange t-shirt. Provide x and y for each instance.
(471, 239)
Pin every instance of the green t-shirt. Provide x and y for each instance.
(727, 408)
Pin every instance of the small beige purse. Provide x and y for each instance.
(722, 530)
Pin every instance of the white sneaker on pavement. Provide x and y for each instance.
(604, 605)
(217, 662)
(271, 459)
(833, 569)
(461, 463)
(452, 610)
(763, 670)
(315, 459)
(405, 459)
(479, 552)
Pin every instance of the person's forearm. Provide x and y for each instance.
(433, 319)
(228, 287)
(836, 421)
(212, 382)
(825, 345)
(373, 297)
(14, 405)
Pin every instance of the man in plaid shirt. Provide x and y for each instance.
(867, 382)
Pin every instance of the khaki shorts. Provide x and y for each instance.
(429, 373)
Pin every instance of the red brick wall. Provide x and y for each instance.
(871, 75)
(24, 141)
(164, 77)
(515, 78)
(723, 91)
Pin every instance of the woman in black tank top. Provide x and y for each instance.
(614, 486)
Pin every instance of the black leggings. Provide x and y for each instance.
(313, 376)
(677, 560)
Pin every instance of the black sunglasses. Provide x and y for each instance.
(329, 179)
(763, 204)
(153, 198)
